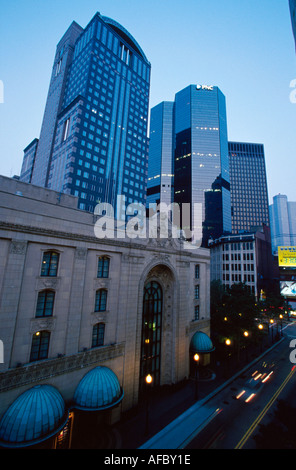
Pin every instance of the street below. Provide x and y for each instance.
(250, 399)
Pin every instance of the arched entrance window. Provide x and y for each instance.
(151, 334)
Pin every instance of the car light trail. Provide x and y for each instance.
(250, 397)
(257, 377)
(268, 377)
(264, 411)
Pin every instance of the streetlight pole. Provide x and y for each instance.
(246, 334)
(196, 360)
(271, 322)
(281, 318)
(260, 326)
(148, 380)
(228, 343)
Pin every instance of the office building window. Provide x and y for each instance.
(101, 300)
(197, 271)
(103, 267)
(196, 292)
(40, 346)
(50, 264)
(196, 312)
(45, 303)
(98, 335)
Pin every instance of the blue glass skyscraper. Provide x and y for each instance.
(282, 222)
(160, 165)
(198, 148)
(93, 141)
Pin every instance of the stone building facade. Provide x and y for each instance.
(64, 312)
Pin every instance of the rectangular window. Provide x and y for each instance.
(196, 292)
(98, 335)
(103, 267)
(196, 312)
(66, 129)
(101, 300)
(40, 346)
(197, 271)
(50, 264)
(45, 304)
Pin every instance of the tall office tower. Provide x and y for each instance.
(192, 131)
(93, 141)
(160, 163)
(293, 17)
(282, 222)
(249, 195)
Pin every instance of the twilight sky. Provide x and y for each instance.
(245, 47)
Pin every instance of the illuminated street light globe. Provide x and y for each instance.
(148, 379)
(196, 357)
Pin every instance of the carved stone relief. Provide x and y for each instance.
(42, 324)
(18, 247)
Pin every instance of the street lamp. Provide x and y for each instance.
(246, 334)
(148, 380)
(228, 344)
(196, 360)
(260, 326)
(281, 318)
(271, 322)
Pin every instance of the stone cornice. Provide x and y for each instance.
(152, 245)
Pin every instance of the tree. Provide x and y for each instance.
(234, 314)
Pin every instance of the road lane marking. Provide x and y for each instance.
(264, 411)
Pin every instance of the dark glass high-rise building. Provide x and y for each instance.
(191, 133)
(293, 16)
(249, 194)
(93, 141)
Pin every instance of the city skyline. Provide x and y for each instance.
(234, 49)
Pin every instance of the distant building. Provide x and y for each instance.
(247, 258)
(191, 132)
(248, 182)
(283, 222)
(29, 161)
(93, 142)
(84, 319)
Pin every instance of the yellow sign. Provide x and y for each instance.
(287, 256)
